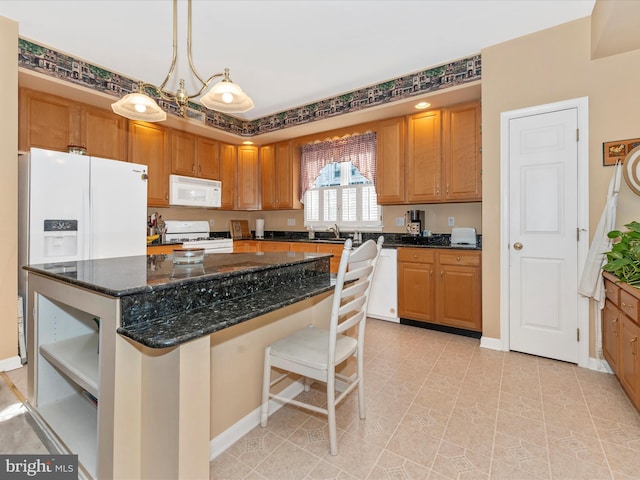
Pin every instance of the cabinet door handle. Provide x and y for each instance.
(457, 259)
(631, 342)
(441, 273)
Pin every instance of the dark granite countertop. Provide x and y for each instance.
(122, 276)
(174, 329)
(391, 240)
(163, 305)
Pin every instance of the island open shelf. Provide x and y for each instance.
(75, 423)
(77, 358)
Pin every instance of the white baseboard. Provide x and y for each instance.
(10, 363)
(599, 365)
(239, 429)
(491, 343)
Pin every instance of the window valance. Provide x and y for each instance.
(360, 150)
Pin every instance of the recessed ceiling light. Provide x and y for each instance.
(247, 142)
(422, 105)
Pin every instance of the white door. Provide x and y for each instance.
(543, 241)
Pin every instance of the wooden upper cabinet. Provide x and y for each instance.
(149, 145)
(462, 159)
(194, 156)
(279, 176)
(47, 121)
(228, 156)
(267, 177)
(54, 123)
(183, 153)
(104, 133)
(208, 158)
(247, 180)
(424, 164)
(390, 138)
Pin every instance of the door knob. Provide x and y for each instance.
(517, 246)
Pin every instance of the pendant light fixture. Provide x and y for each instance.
(225, 96)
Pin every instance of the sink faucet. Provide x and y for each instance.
(335, 230)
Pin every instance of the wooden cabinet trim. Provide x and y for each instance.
(621, 334)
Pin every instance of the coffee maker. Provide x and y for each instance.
(415, 220)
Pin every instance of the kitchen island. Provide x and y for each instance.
(137, 363)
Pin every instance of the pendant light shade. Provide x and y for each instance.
(227, 97)
(139, 106)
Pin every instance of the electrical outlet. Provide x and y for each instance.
(399, 221)
(212, 222)
(291, 222)
(452, 221)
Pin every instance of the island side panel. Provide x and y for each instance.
(104, 308)
(237, 359)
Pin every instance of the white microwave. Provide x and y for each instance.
(194, 192)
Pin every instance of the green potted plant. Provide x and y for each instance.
(623, 260)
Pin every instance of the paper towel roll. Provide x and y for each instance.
(260, 228)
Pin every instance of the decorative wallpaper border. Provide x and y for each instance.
(59, 65)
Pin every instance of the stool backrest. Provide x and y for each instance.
(353, 285)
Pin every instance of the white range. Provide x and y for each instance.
(195, 234)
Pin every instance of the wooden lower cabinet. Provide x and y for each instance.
(416, 287)
(610, 335)
(273, 246)
(440, 286)
(629, 367)
(248, 246)
(161, 249)
(620, 332)
(245, 246)
(335, 250)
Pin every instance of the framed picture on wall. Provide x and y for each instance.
(618, 150)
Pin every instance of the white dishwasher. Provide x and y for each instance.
(383, 299)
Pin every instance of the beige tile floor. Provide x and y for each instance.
(438, 407)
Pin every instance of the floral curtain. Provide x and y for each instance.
(360, 150)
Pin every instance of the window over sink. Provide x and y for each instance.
(338, 181)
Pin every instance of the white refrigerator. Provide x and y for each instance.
(75, 207)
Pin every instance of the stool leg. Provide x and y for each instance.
(331, 412)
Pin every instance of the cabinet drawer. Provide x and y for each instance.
(459, 258)
(416, 255)
(161, 249)
(333, 249)
(612, 291)
(303, 247)
(629, 305)
(274, 246)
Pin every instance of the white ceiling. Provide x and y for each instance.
(286, 53)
